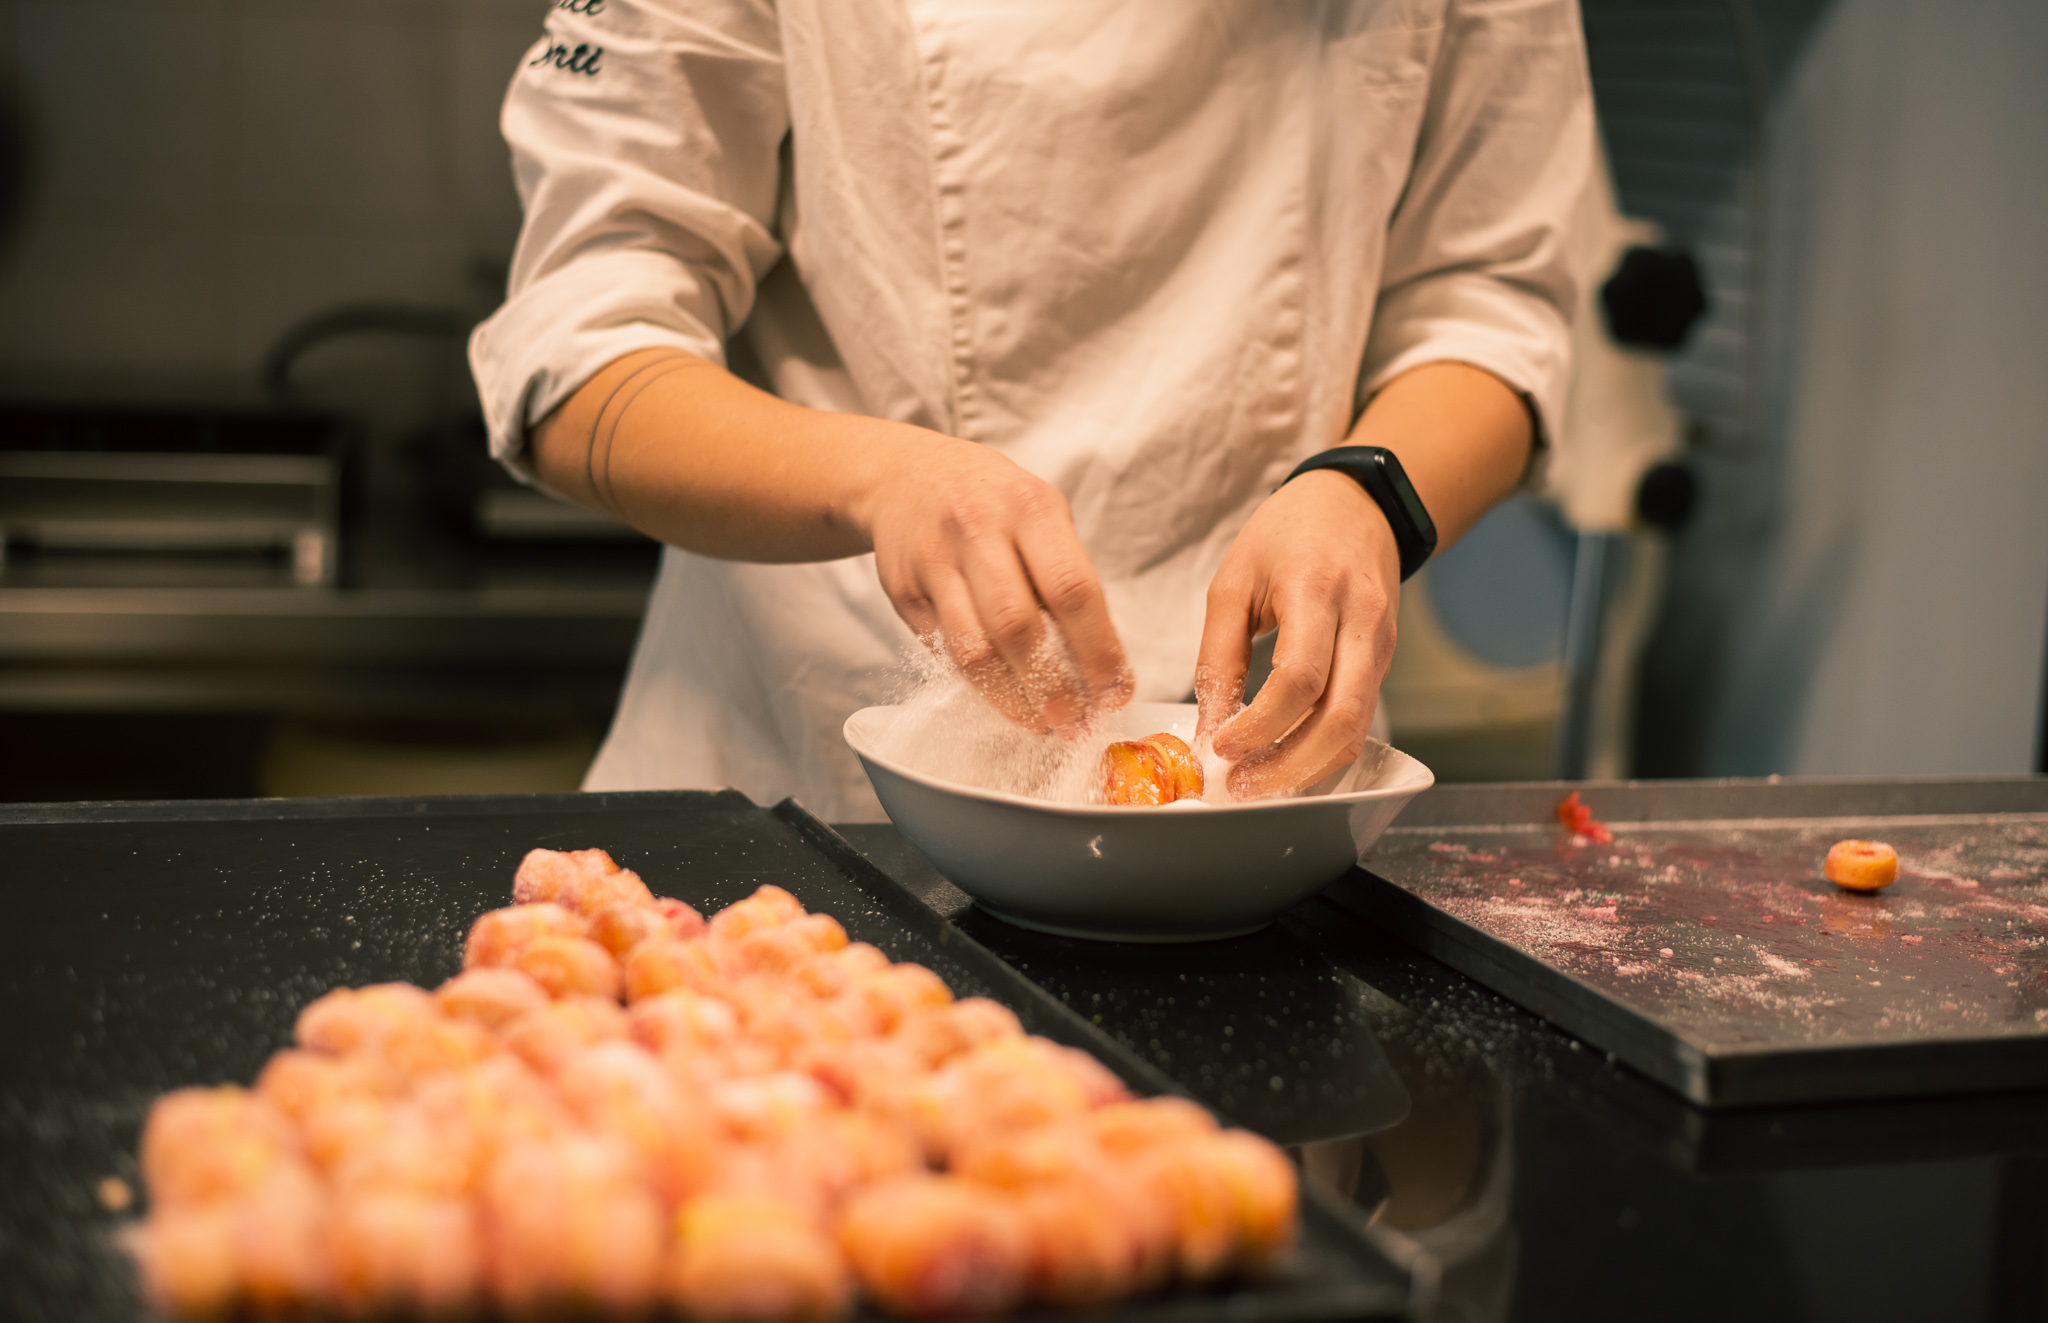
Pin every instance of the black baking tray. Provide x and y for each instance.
(148, 946)
(1705, 948)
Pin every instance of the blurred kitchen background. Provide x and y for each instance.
(252, 545)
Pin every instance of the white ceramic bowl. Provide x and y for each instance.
(1137, 874)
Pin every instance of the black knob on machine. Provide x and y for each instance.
(1654, 298)
(1666, 496)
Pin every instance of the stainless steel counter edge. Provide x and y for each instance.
(490, 599)
(176, 625)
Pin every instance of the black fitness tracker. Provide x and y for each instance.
(1377, 470)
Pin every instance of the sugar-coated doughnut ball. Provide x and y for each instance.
(548, 1037)
(568, 966)
(500, 935)
(492, 997)
(926, 1246)
(404, 1251)
(569, 1225)
(755, 1260)
(749, 1138)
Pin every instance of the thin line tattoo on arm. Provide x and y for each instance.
(604, 493)
(607, 492)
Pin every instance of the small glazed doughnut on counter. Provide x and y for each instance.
(619, 1107)
(1862, 865)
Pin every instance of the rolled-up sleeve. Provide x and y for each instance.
(1479, 264)
(646, 145)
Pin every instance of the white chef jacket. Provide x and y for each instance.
(1155, 251)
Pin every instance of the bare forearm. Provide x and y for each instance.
(970, 548)
(1462, 435)
(684, 451)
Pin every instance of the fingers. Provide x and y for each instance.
(1302, 658)
(967, 642)
(977, 551)
(1334, 733)
(1223, 659)
(979, 603)
(1066, 583)
(1007, 611)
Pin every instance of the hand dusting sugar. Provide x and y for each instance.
(945, 727)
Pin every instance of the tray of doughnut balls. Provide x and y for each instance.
(626, 1105)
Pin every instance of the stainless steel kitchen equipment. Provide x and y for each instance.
(94, 479)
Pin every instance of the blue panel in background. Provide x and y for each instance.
(1503, 590)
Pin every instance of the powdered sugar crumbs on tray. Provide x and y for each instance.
(1733, 936)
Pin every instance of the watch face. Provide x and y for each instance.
(1379, 471)
(1404, 491)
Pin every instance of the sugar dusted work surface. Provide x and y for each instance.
(1729, 933)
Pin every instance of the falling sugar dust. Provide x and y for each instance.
(946, 728)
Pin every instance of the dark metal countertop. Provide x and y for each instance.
(1549, 1179)
(151, 945)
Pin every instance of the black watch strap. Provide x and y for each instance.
(1377, 470)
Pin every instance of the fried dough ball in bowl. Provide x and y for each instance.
(1158, 769)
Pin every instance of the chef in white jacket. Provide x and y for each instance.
(1045, 300)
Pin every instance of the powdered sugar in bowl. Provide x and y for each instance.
(1168, 874)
